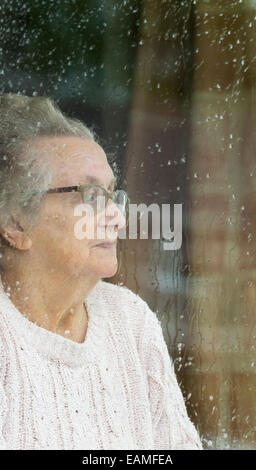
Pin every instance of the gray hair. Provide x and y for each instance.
(25, 178)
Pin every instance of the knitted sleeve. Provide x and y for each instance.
(172, 428)
(2, 398)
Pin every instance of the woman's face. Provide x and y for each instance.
(55, 246)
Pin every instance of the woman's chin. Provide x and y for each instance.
(107, 271)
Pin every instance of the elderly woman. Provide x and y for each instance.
(84, 364)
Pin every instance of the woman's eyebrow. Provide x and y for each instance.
(93, 180)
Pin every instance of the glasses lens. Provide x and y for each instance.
(93, 196)
(121, 199)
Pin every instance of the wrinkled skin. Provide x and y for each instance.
(56, 271)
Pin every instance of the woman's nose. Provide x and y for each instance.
(113, 215)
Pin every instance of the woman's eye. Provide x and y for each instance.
(92, 197)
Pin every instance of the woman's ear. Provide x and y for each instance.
(14, 234)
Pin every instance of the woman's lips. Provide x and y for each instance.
(107, 245)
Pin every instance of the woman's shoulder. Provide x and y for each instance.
(121, 295)
(125, 305)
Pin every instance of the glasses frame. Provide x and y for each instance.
(81, 188)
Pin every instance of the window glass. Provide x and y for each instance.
(169, 87)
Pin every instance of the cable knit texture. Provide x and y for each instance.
(116, 390)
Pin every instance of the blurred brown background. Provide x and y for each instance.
(202, 117)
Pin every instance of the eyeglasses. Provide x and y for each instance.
(96, 196)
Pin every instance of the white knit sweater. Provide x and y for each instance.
(117, 390)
